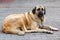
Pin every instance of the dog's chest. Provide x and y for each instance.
(36, 24)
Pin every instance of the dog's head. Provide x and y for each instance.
(39, 11)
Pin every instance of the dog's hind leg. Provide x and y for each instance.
(16, 31)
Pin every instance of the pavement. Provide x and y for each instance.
(20, 6)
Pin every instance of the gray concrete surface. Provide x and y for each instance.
(20, 6)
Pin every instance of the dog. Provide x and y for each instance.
(32, 21)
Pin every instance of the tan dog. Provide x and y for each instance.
(28, 22)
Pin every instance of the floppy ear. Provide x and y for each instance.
(33, 11)
(44, 11)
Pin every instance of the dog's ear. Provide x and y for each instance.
(44, 11)
(33, 10)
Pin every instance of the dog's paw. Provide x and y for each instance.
(55, 29)
(49, 32)
(22, 33)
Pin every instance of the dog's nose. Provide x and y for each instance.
(40, 14)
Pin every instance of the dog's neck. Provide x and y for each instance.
(33, 16)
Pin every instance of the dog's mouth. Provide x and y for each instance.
(40, 14)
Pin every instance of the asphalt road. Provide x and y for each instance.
(20, 6)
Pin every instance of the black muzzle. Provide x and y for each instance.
(40, 14)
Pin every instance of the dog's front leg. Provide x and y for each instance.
(50, 27)
(36, 29)
(41, 30)
(44, 31)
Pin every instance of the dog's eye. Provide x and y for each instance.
(42, 9)
(38, 9)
